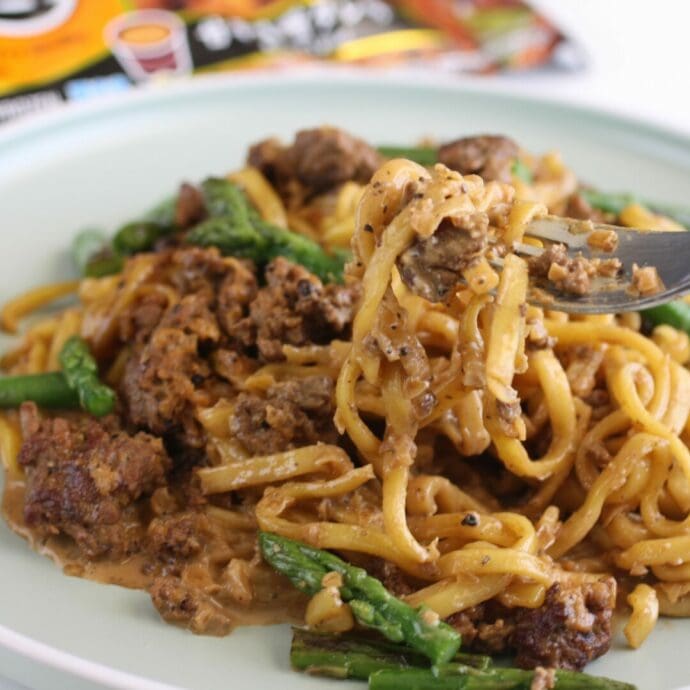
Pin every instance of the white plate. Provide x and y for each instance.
(98, 165)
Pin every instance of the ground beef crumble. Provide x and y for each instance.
(291, 414)
(163, 380)
(295, 308)
(432, 267)
(319, 160)
(224, 326)
(570, 629)
(178, 602)
(571, 274)
(490, 157)
(83, 478)
(190, 207)
(179, 535)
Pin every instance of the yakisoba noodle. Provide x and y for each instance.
(598, 442)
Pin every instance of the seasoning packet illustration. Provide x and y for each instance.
(52, 51)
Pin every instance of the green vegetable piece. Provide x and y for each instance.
(236, 229)
(304, 251)
(46, 390)
(424, 155)
(81, 373)
(355, 656)
(339, 656)
(94, 255)
(461, 677)
(163, 214)
(85, 245)
(106, 263)
(615, 203)
(242, 241)
(306, 566)
(138, 236)
(141, 235)
(522, 172)
(610, 203)
(224, 199)
(676, 314)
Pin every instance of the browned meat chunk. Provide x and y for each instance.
(432, 267)
(190, 207)
(293, 414)
(233, 366)
(327, 157)
(83, 477)
(569, 630)
(235, 293)
(645, 281)
(179, 603)
(137, 324)
(164, 380)
(318, 160)
(490, 157)
(486, 628)
(571, 275)
(295, 308)
(179, 535)
(193, 269)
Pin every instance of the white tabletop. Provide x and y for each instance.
(636, 65)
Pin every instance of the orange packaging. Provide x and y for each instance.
(68, 50)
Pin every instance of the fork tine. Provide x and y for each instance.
(665, 251)
(527, 249)
(559, 230)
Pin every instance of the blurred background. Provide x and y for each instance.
(626, 56)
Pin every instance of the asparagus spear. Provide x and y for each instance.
(81, 374)
(46, 390)
(676, 314)
(138, 236)
(459, 677)
(304, 251)
(237, 240)
(615, 203)
(224, 199)
(94, 255)
(520, 170)
(97, 256)
(355, 656)
(372, 605)
(424, 155)
(236, 228)
(163, 213)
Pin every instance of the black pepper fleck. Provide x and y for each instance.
(470, 520)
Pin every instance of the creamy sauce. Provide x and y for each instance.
(272, 604)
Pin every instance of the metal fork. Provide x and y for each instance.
(668, 252)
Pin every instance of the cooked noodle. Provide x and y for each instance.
(587, 416)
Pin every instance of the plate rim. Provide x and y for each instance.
(20, 132)
(15, 132)
(57, 659)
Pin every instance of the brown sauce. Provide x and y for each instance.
(274, 601)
